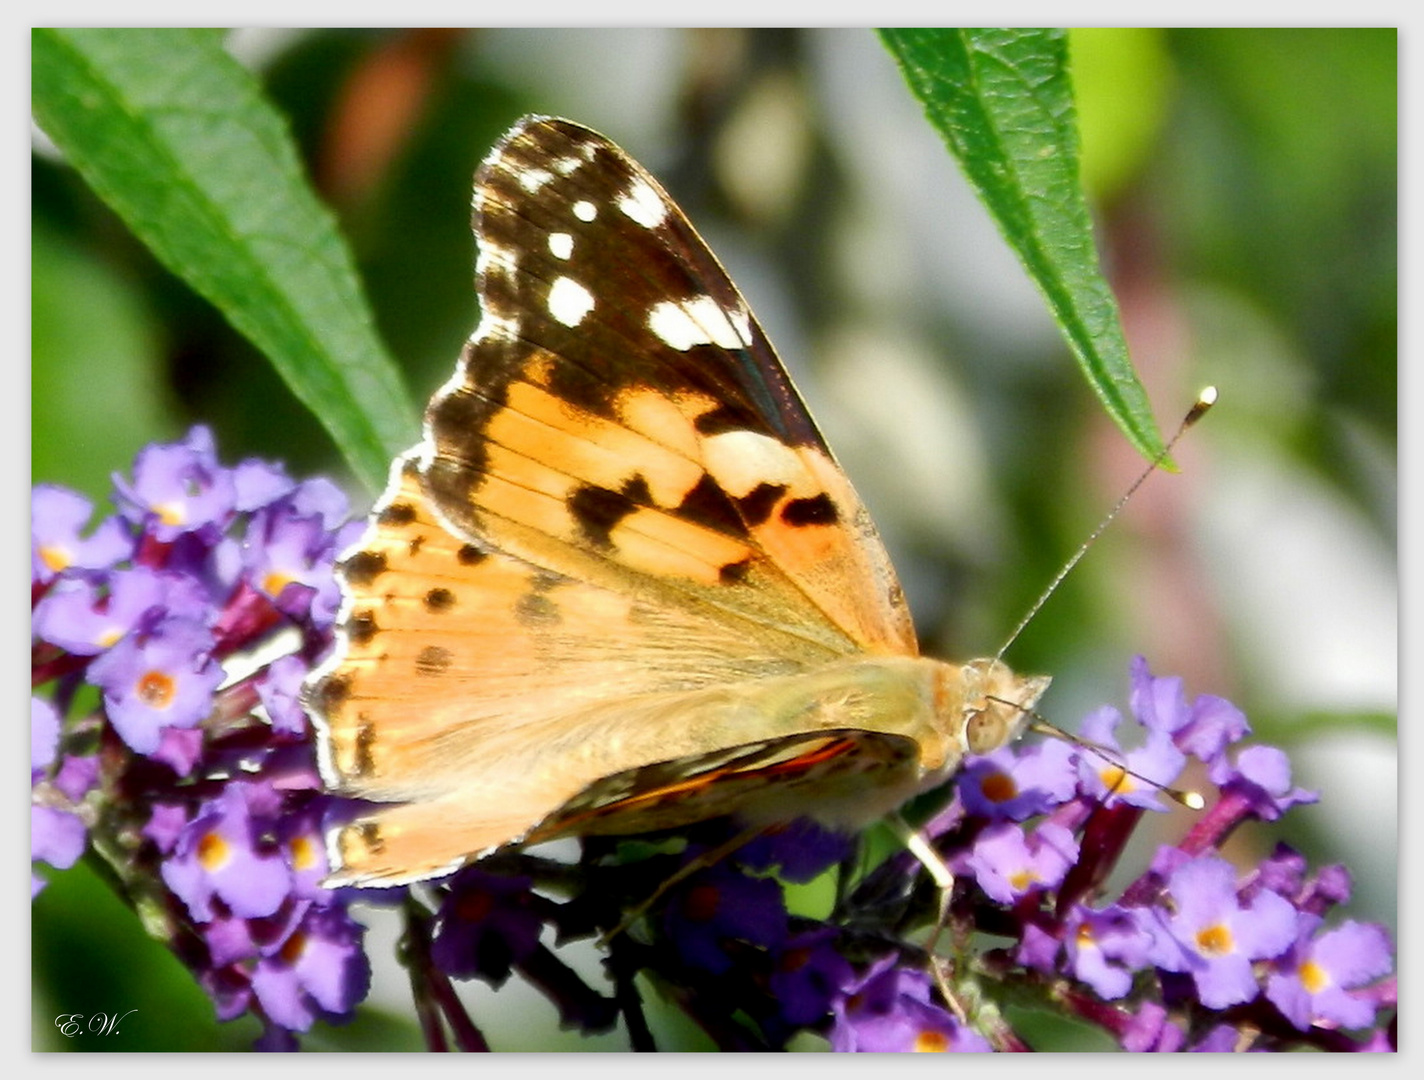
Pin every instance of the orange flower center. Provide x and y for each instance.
(931, 1042)
(170, 513)
(303, 853)
(474, 906)
(55, 558)
(155, 689)
(1313, 977)
(1215, 940)
(794, 959)
(213, 852)
(1022, 879)
(999, 787)
(1115, 779)
(293, 947)
(275, 582)
(701, 903)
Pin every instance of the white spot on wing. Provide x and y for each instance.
(641, 203)
(585, 210)
(741, 460)
(531, 180)
(561, 244)
(700, 320)
(569, 301)
(566, 165)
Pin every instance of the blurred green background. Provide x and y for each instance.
(1245, 182)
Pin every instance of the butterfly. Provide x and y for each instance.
(621, 585)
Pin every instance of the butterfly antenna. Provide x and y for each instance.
(1205, 400)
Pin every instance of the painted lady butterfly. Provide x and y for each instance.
(622, 584)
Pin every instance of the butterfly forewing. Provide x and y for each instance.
(620, 417)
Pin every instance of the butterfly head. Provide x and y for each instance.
(997, 704)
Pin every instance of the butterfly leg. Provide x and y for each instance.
(943, 878)
(939, 872)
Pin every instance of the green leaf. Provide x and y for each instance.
(1003, 102)
(176, 137)
(1300, 728)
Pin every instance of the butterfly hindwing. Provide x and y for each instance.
(764, 782)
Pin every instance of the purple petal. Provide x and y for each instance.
(277, 987)
(77, 776)
(56, 836)
(1221, 1039)
(332, 967)
(1266, 927)
(1158, 703)
(257, 483)
(279, 686)
(44, 733)
(1215, 723)
(1224, 981)
(165, 824)
(1150, 1030)
(1010, 784)
(1354, 953)
(166, 680)
(320, 497)
(177, 488)
(57, 517)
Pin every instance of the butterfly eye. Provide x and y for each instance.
(985, 730)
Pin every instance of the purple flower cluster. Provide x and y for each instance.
(195, 782)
